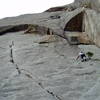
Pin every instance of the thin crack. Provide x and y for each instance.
(12, 57)
(29, 75)
(11, 52)
(18, 70)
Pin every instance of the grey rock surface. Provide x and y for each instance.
(49, 71)
(45, 71)
(62, 19)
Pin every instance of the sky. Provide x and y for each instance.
(9, 8)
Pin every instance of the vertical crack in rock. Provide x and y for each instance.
(18, 70)
(12, 57)
(11, 52)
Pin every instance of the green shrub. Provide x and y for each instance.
(89, 54)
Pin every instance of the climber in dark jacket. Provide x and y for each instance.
(82, 56)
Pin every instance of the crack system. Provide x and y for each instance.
(28, 74)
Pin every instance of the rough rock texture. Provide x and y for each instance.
(44, 67)
(95, 4)
(32, 71)
(81, 16)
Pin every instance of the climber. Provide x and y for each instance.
(82, 56)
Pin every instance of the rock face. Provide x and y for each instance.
(81, 17)
(95, 4)
(32, 71)
(44, 67)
